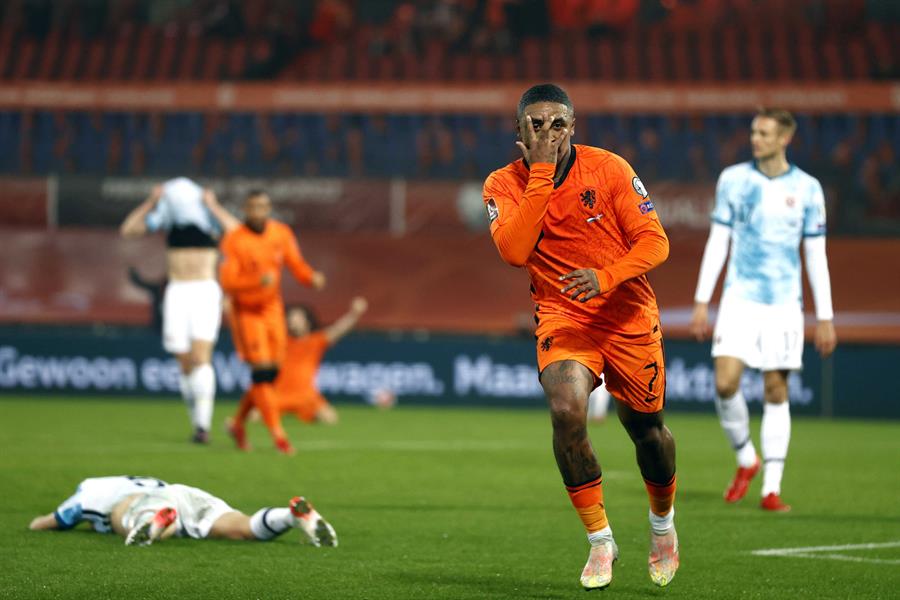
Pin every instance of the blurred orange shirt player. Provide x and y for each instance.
(306, 345)
(254, 255)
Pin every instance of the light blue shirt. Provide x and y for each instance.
(96, 497)
(180, 205)
(768, 218)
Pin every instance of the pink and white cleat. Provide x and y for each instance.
(317, 529)
(597, 573)
(150, 530)
(663, 559)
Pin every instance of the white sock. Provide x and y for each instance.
(267, 523)
(598, 537)
(662, 525)
(735, 420)
(187, 394)
(775, 437)
(203, 388)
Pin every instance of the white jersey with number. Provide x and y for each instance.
(95, 498)
(768, 217)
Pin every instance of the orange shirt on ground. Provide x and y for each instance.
(600, 217)
(297, 376)
(248, 255)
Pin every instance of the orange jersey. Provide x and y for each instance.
(301, 363)
(248, 255)
(598, 217)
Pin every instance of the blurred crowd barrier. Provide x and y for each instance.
(441, 280)
(419, 369)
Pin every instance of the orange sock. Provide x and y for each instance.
(662, 496)
(587, 499)
(266, 401)
(245, 406)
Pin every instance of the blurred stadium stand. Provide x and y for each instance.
(482, 40)
(100, 99)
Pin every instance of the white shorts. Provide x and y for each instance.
(768, 337)
(192, 310)
(196, 509)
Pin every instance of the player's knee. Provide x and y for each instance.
(185, 362)
(267, 375)
(775, 394)
(567, 414)
(726, 385)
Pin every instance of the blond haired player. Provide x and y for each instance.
(764, 208)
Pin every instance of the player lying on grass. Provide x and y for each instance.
(145, 509)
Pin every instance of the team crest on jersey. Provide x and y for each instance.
(790, 201)
(646, 207)
(638, 186)
(588, 198)
(546, 343)
(492, 210)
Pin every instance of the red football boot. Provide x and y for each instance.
(772, 502)
(237, 433)
(742, 479)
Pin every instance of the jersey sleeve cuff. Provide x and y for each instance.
(548, 169)
(604, 279)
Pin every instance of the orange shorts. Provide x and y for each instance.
(306, 405)
(259, 333)
(634, 372)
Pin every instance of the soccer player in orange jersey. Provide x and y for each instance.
(582, 224)
(254, 255)
(296, 384)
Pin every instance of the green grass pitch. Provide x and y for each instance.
(440, 503)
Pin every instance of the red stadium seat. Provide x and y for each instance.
(186, 67)
(50, 54)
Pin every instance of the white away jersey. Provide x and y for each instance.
(768, 218)
(95, 498)
(181, 205)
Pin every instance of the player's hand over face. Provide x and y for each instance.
(583, 285)
(359, 305)
(699, 326)
(540, 146)
(826, 338)
(318, 280)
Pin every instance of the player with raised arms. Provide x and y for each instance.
(763, 209)
(582, 224)
(145, 509)
(193, 220)
(307, 344)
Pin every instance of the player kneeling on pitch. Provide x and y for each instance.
(144, 510)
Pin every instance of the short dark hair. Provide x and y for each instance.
(784, 118)
(544, 92)
(310, 315)
(253, 193)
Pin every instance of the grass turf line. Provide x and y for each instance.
(436, 503)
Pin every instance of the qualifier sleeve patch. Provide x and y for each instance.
(492, 211)
(638, 186)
